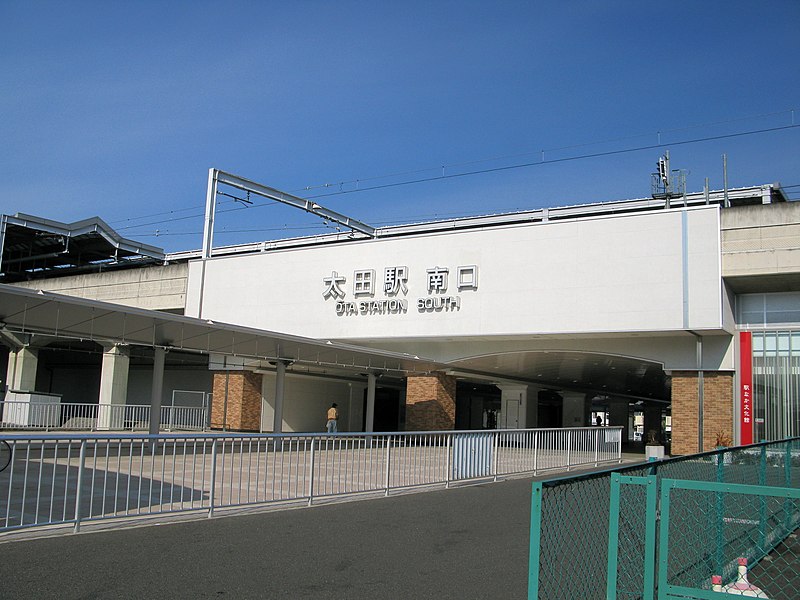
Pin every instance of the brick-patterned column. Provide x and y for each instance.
(430, 402)
(717, 409)
(244, 401)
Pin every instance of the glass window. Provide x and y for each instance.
(776, 384)
(759, 310)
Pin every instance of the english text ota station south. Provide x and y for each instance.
(395, 282)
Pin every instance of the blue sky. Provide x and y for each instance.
(118, 109)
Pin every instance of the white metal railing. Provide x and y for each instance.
(93, 417)
(74, 478)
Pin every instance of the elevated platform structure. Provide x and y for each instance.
(36, 248)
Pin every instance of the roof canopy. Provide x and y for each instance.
(25, 313)
(32, 248)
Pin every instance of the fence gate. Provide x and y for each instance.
(694, 530)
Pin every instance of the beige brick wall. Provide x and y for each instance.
(430, 402)
(244, 401)
(717, 409)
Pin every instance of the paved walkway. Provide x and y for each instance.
(465, 542)
(470, 542)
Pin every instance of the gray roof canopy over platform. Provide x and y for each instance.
(27, 312)
(33, 247)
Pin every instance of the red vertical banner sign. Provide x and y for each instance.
(746, 386)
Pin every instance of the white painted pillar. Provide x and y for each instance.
(113, 387)
(370, 421)
(155, 393)
(513, 406)
(575, 409)
(22, 367)
(280, 385)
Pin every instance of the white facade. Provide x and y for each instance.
(559, 311)
(651, 272)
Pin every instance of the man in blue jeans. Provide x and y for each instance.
(333, 419)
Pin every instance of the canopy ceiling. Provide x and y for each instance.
(26, 313)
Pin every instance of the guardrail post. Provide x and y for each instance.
(388, 463)
(449, 469)
(569, 449)
(762, 501)
(534, 551)
(536, 435)
(495, 447)
(213, 484)
(311, 472)
(597, 446)
(79, 490)
(720, 515)
(787, 475)
(613, 538)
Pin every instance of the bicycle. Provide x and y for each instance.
(5, 455)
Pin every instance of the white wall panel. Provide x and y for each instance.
(617, 274)
(306, 402)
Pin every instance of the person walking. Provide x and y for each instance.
(333, 419)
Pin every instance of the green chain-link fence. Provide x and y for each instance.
(584, 537)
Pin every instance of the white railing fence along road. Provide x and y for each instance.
(73, 478)
(98, 417)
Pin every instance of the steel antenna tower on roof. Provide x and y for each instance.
(668, 184)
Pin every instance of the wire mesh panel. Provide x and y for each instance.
(716, 533)
(573, 534)
(631, 538)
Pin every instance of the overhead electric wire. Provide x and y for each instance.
(446, 176)
(555, 149)
(553, 161)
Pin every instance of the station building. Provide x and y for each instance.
(680, 320)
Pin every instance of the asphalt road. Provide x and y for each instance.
(468, 542)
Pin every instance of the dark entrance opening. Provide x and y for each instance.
(388, 410)
(551, 409)
(477, 405)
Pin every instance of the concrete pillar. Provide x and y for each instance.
(369, 424)
(577, 409)
(618, 416)
(113, 387)
(159, 356)
(22, 367)
(430, 402)
(280, 387)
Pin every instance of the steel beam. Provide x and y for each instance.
(307, 205)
